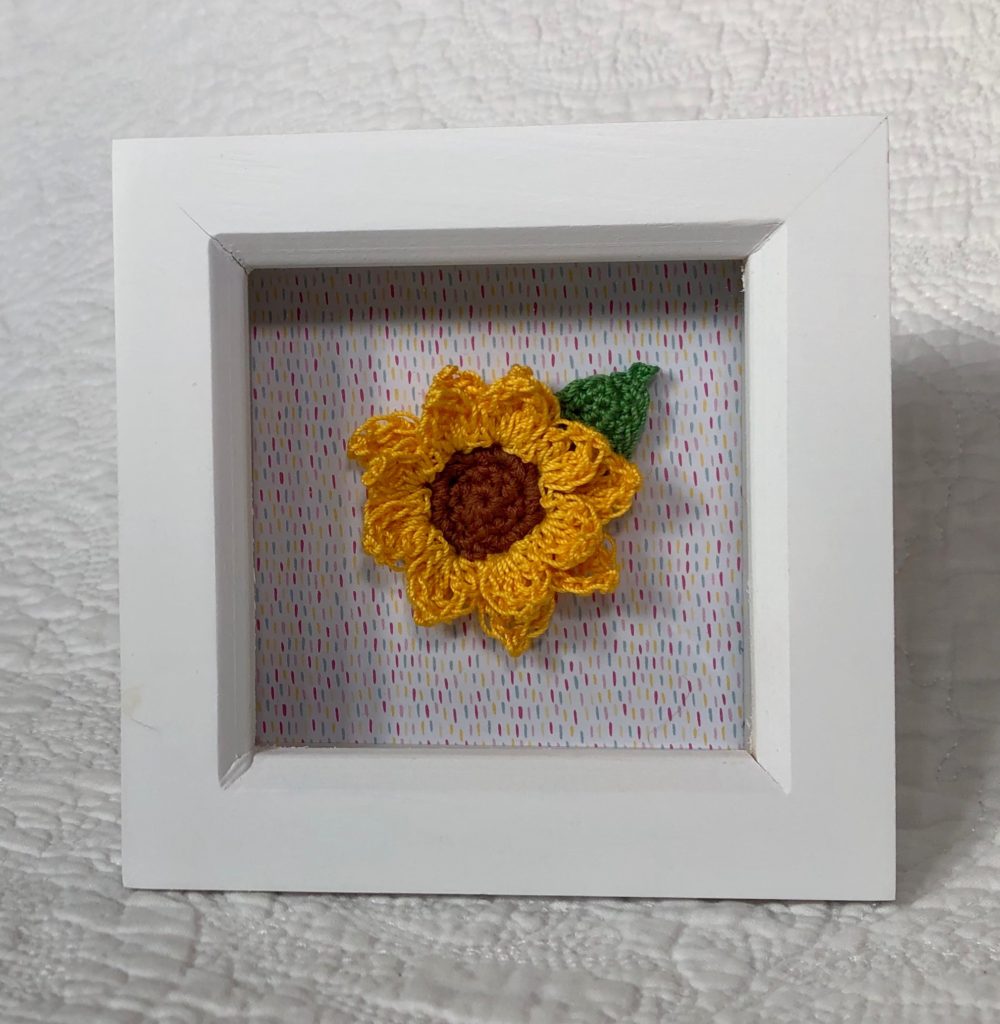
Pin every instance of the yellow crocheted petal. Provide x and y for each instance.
(596, 574)
(570, 456)
(440, 584)
(567, 536)
(397, 526)
(451, 420)
(517, 632)
(611, 491)
(513, 583)
(517, 409)
(391, 450)
(398, 433)
(396, 475)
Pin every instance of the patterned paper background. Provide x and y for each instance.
(339, 660)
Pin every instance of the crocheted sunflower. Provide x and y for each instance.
(493, 501)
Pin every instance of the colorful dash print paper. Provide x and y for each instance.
(659, 663)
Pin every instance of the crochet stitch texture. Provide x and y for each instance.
(616, 404)
(451, 502)
(485, 500)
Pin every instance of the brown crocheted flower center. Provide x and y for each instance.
(485, 500)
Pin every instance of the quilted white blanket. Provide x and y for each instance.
(74, 946)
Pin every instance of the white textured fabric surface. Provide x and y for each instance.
(75, 946)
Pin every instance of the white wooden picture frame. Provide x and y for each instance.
(808, 810)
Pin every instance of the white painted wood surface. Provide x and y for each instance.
(809, 812)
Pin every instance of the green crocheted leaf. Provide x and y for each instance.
(616, 404)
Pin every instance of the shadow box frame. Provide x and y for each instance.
(807, 810)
